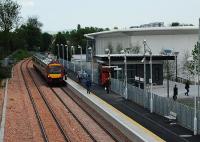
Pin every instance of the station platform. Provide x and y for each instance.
(130, 113)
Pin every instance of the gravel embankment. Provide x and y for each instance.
(21, 124)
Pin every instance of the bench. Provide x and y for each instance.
(171, 117)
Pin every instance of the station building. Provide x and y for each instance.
(178, 39)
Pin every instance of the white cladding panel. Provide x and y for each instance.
(181, 43)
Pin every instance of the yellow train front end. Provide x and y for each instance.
(55, 73)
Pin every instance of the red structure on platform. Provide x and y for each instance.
(104, 74)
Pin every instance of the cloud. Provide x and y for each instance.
(26, 3)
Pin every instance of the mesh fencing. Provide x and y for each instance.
(161, 105)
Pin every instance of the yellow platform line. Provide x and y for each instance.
(122, 116)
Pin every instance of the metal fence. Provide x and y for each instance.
(161, 105)
(134, 94)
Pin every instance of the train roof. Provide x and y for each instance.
(46, 58)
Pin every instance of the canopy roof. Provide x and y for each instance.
(146, 31)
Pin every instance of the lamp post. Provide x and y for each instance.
(58, 51)
(190, 59)
(67, 55)
(108, 50)
(144, 61)
(147, 49)
(125, 74)
(151, 81)
(176, 55)
(72, 50)
(195, 74)
(81, 58)
(198, 68)
(167, 79)
(63, 54)
(92, 62)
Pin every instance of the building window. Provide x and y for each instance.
(157, 74)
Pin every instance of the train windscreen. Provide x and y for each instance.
(55, 70)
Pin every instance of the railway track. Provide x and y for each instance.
(50, 107)
(74, 115)
(43, 132)
(41, 124)
(60, 99)
(90, 115)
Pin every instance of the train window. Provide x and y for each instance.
(55, 69)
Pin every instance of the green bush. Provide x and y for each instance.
(21, 54)
(5, 72)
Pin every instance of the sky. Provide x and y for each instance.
(59, 15)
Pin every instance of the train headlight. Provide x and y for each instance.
(49, 76)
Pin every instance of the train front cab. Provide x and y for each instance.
(55, 74)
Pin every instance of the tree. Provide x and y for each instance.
(59, 39)
(195, 52)
(46, 41)
(168, 67)
(185, 63)
(32, 33)
(78, 27)
(9, 17)
(175, 24)
(76, 36)
(195, 61)
(18, 39)
(135, 49)
(107, 29)
(9, 14)
(33, 22)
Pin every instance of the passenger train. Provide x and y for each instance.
(49, 67)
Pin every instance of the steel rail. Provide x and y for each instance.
(42, 129)
(89, 114)
(50, 109)
(90, 135)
